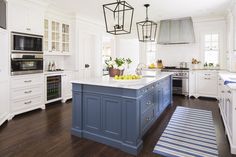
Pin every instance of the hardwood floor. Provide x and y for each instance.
(47, 133)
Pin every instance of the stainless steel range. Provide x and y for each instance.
(180, 80)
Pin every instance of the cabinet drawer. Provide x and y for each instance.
(22, 93)
(147, 101)
(208, 75)
(26, 81)
(25, 104)
(147, 118)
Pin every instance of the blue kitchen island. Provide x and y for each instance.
(119, 113)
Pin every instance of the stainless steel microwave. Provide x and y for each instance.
(26, 43)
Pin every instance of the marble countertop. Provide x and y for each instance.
(129, 84)
(227, 76)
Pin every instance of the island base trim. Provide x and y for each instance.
(131, 149)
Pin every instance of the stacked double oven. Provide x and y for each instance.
(26, 54)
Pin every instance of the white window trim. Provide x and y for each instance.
(202, 45)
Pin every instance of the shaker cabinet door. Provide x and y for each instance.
(92, 112)
(112, 116)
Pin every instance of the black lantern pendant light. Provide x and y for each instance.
(118, 17)
(147, 29)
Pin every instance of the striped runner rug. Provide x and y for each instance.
(190, 133)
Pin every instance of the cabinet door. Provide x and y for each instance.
(35, 21)
(229, 110)
(55, 36)
(192, 83)
(233, 29)
(112, 116)
(18, 17)
(160, 98)
(65, 38)
(92, 112)
(46, 35)
(156, 100)
(4, 99)
(207, 84)
(4, 59)
(25, 18)
(67, 86)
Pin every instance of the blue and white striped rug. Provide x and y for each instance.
(190, 133)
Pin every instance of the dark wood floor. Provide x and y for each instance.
(47, 133)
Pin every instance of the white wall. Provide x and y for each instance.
(173, 54)
(128, 48)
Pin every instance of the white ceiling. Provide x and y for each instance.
(160, 9)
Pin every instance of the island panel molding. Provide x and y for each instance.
(119, 117)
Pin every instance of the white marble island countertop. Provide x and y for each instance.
(129, 84)
(230, 77)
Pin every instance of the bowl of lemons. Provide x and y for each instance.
(124, 78)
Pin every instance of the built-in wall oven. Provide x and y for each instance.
(26, 54)
(180, 80)
(26, 63)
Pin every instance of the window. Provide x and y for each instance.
(107, 51)
(211, 48)
(151, 53)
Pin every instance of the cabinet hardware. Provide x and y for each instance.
(28, 29)
(147, 119)
(149, 103)
(29, 102)
(222, 91)
(28, 81)
(27, 92)
(220, 84)
(229, 92)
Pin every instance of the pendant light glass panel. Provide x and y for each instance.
(118, 17)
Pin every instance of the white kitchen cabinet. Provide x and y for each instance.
(67, 77)
(4, 59)
(192, 83)
(57, 36)
(4, 76)
(26, 93)
(207, 83)
(231, 39)
(4, 99)
(227, 105)
(25, 17)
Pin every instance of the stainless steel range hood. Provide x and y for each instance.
(176, 31)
